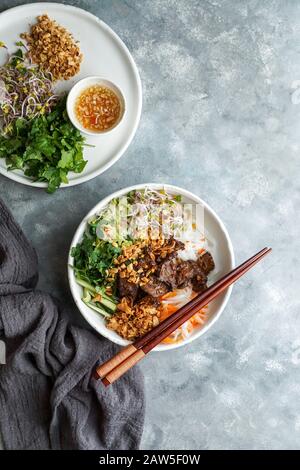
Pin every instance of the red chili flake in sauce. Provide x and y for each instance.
(97, 108)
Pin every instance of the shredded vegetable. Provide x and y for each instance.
(174, 300)
(143, 214)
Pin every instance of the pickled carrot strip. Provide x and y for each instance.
(169, 295)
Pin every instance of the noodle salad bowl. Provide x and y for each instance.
(143, 252)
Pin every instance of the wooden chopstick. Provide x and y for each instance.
(141, 342)
(130, 355)
(109, 365)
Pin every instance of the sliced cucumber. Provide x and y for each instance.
(86, 295)
(89, 291)
(94, 290)
(97, 309)
(102, 292)
(85, 284)
(108, 303)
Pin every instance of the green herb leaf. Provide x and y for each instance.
(46, 148)
(66, 160)
(93, 257)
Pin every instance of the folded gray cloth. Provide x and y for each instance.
(48, 398)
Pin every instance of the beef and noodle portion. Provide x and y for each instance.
(146, 277)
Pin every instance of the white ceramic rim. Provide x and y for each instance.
(184, 192)
(82, 179)
(79, 87)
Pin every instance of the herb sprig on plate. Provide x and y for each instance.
(46, 148)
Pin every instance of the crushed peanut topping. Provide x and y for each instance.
(137, 262)
(132, 321)
(53, 48)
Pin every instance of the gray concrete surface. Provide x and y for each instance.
(220, 118)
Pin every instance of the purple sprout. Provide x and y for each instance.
(25, 91)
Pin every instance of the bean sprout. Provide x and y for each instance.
(25, 91)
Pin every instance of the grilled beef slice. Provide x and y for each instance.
(206, 262)
(189, 272)
(168, 271)
(177, 246)
(127, 289)
(155, 287)
(199, 281)
(185, 272)
(147, 260)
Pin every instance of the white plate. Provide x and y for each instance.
(104, 54)
(219, 245)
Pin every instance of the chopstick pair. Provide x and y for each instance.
(118, 365)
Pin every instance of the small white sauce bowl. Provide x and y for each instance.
(81, 86)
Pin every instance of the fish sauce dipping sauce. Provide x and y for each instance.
(95, 106)
(138, 271)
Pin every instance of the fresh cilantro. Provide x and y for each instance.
(45, 148)
(93, 257)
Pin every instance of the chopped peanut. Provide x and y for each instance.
(53, 48)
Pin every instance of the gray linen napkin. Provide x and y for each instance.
(48, 398)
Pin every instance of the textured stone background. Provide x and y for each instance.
(218, 119)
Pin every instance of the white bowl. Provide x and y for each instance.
(78, 88)
(219, 245)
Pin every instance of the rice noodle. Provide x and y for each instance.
(178, 298)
